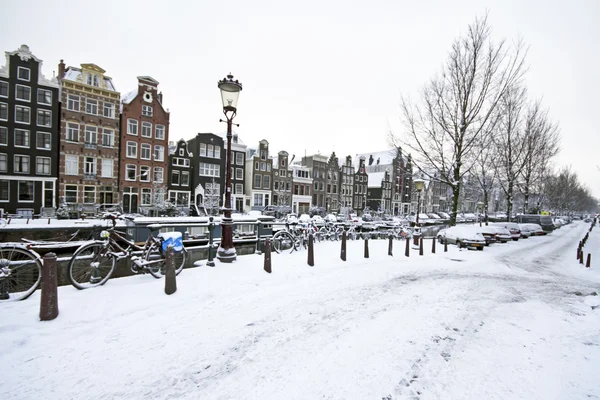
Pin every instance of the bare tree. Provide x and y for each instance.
(212, 195)
(485, 174)
(541, 143)
(457, 108)
(508, 142)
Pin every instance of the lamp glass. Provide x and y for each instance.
(419, 184)
(230, 91)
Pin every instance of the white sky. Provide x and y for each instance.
(317, 75)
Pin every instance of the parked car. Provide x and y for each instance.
(503, 235)
(526, 230)
(535, 229)
(318, 220)
(462, 236)
(545, 221)
(513, 228)
(304, 219)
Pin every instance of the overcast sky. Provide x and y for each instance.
(318, 76)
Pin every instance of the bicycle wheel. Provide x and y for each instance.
(156, 256)
(20, 273)
(283, 241)
(91, 265)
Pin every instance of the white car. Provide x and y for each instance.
(526, 231)
(462, 236)
(535, 229)
(503, 235)
(513, 228)
(304, 219)
(318, 220)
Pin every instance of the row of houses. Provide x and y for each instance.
(75, 140)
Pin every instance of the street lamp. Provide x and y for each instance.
(230, 91)
(480, 208)
(419, 185)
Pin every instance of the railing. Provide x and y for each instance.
(89, 177)
(90, 145)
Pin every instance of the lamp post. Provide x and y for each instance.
(480, 208)
(230, 91)
(419, 185)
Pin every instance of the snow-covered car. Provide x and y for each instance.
(443, 215)
(513, 228)
(503, 235)
(304, 219)
(462, 236)
(526, 230)
(535, 229)
(330, 218)
(290, 219)
(488, 232)
(318, 220)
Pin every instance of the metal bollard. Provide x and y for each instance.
(211, 229)
(421, 246)
(581, 257)
(588, 263)
(170, 280)
(311, 251)
(433, 245)
(258, 230)
(445, 246)
(343, 251)
(366, 247)
(390, 246)
(407, 251)
(49, 298)
(267, 265)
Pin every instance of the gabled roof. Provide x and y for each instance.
(75, 74)
(148, 79)
(25, 54)
(386, 157)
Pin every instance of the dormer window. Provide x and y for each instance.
(95, 80)
(89, 79)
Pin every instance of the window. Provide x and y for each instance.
(44, 97)
(144, 173)
(109, 110)
(160, 134)
(256, 165)
(175, 178)
(217, 152)
(202, 150)
(91, 106)
(258, 199)
(132, 127)
(3, 89)
(185, 178)
(263, 154)
(108, 138)
(239, 158)
(22, 93)
(3, 112)
(146, 196)
(239, 188)
(4, 190)
(145, 149)
(239, 174)
(3, 162)
(21, 138)
(71, 193)
(91, 135)
(132, 149)
(181, 152)
(266, 182)
(44, 118)
(146, 129)
(89, 194)
(210, 170)
(158, 174)
(71, 165)
(263, 166)
(257, 181)
(89, 166)
(159, 153)
(42, 165)
(22, 114)
(23, 73)
(73, 103)
(146, 111)
(130, 172)
(181, 162)
(72, 132)
(43, 140)
(26, 191)
(107, 167)
(21, 165)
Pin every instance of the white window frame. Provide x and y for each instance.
(108, 165)
(110, 133)
(72, 129)
(7, 190)
(15, 163)
(186, 175)
(5, 106)
(5, 84)
(29, 111)
(239, 174)
(161, 153)
(40, 91)
(175, 173)
(159, 174)
(3, 162)
(131, 123)
(85, 191)
(37, 165)
(95, 130)
(211, 170)
(128, 168)
(146, 129)
(71, 164)
(28, 140)
(239, 158)
(90, 103)
(42, 111)
(19, 74)
(72, 100)
(17, 92)
(161, 128)
(90, 166)
(76, 191)
(146, 197)
(145, 148)
(202, 149)
(131, 149)
(49, 135)
(145, 111)
(148, 170)
(110, 107)
(32, 191)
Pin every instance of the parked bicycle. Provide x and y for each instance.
(93, 263)
(294, 237)
(331, 232)
(20, 271)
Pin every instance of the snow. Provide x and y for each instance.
(126, 98)
(375, 179)
(516, 321)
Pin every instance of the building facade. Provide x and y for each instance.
(208, 171)
(239, 199)
(302, 184)
(317, 165)
(361, 180)
(282, 180)
(259, 166)
(29, 135)
(332, 185)
(347, 186)
(179, 173)
(143, 161)
(89, 126)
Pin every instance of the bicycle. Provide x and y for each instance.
(292, 238)
(93, 263)
(20, 271)
(331, 231)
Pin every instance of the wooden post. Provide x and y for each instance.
(343, 251)
(366, 247)
(407, 250)
(588, 263)
(421, 246)
(311, 251)
(433, 245)
(49, 298)
(267, 265)
(445, 246)
(390, 246)
(170, 280)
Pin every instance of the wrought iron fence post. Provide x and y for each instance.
(211, 229)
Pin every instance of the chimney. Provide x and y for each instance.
(61, 69)
(160, 97)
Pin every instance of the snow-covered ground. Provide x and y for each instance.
(516, 321)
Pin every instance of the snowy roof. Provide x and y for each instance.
(375, 179)
(75, 74)
(128, 97)
(386, 157)
(25, 54)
